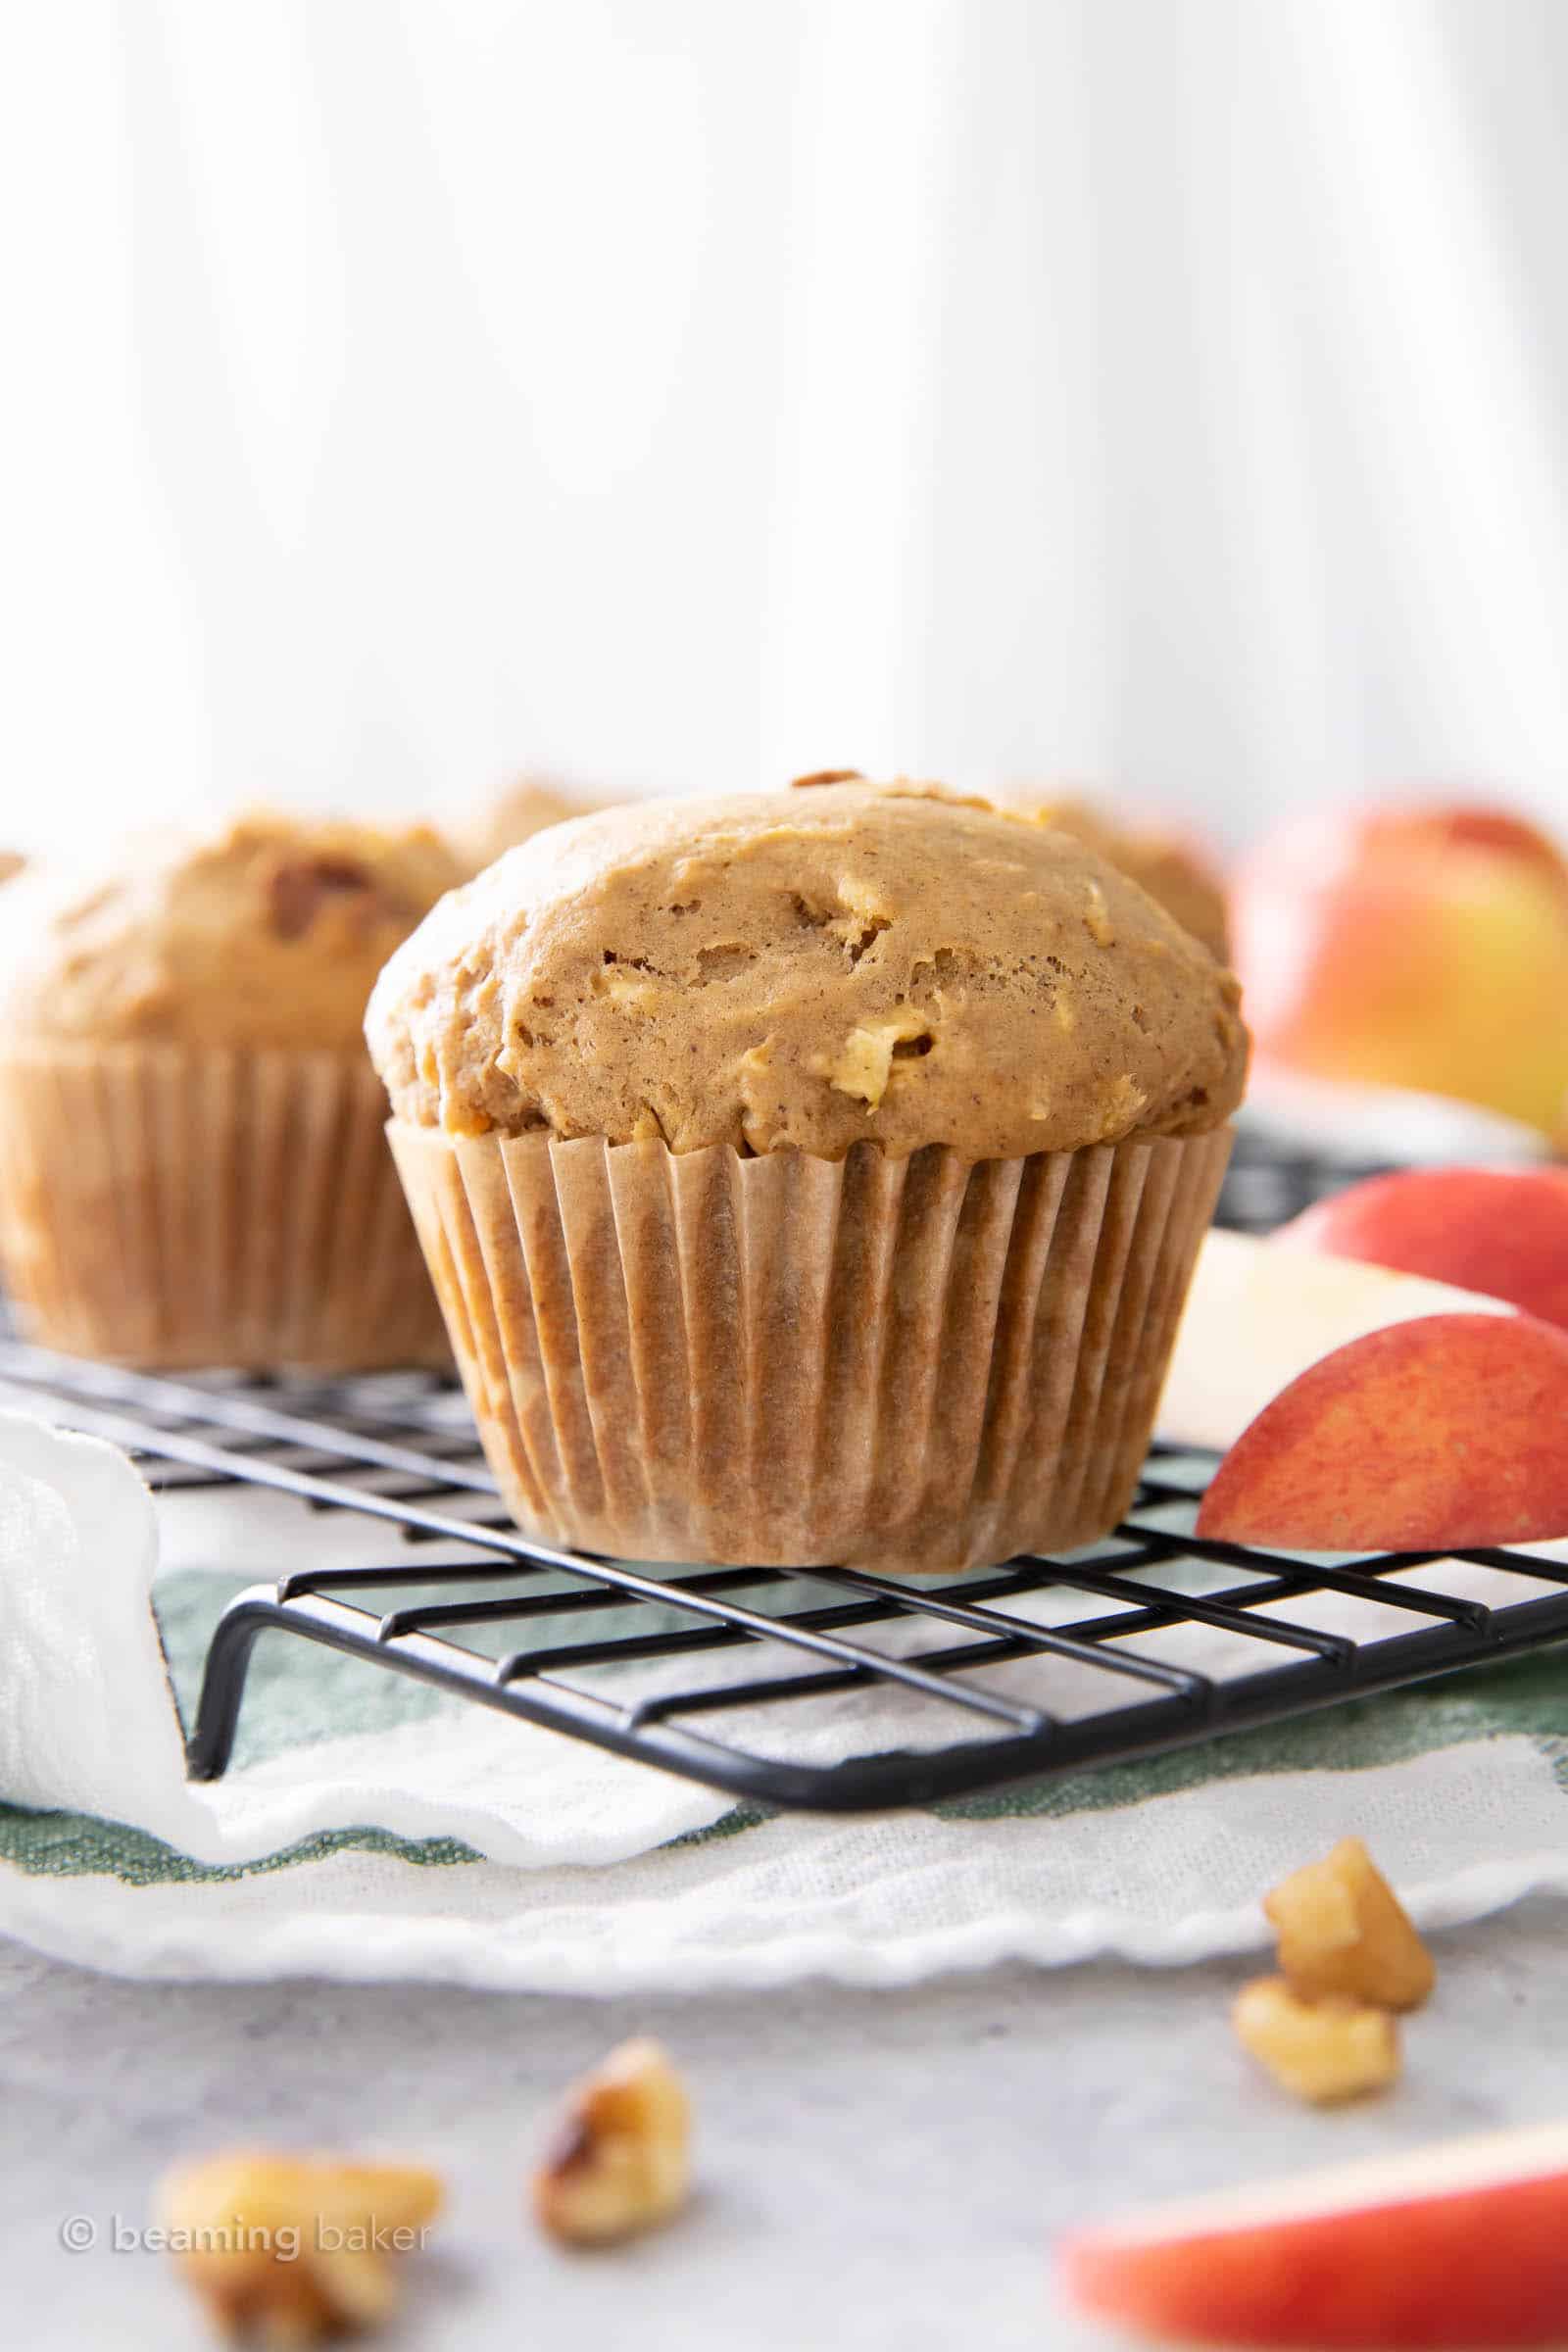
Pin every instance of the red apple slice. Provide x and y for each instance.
(1462, 2244)
(1502, 1230)
(1428, 1436)
(1258, 1317)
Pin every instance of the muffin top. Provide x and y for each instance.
(267, 934)
(1170, 871)
(516, 815)
(811, 970)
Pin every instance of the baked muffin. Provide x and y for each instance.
(193, 1167)
(516, 815)
(1168, 870)
(810, 1178)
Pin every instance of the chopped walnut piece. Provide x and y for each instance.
(1321, 2051)
(619, 2161)
(1342, 1931)
(294, 2249)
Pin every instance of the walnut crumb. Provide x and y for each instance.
(620, 2159)
(1324, 2052)
(295, 2249)
(1342, 1931)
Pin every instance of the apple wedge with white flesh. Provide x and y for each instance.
(1462, 2244)
(1259, 1314)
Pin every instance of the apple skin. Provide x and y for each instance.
(1431, 1436)
(1258, 1317)
(1499, 1231)
(1415, 947)
(1474, 2269)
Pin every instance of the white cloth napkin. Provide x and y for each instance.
(87, 1721)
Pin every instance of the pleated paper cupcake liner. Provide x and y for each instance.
(900, 1364)
(170, 1206)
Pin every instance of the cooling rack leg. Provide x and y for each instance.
(228, 1657)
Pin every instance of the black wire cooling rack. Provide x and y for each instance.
(947, 1661)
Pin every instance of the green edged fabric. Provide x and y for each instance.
(300, 1692)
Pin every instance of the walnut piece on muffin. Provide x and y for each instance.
(808, 971)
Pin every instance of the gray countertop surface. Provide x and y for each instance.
(875, 2169)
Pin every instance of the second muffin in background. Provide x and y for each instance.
(810, 1178)
(516, 815)
(192, 1163)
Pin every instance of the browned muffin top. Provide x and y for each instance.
(1170, 871)
(810, 970)
(267, 934)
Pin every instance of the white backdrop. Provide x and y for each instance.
(671, 392)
